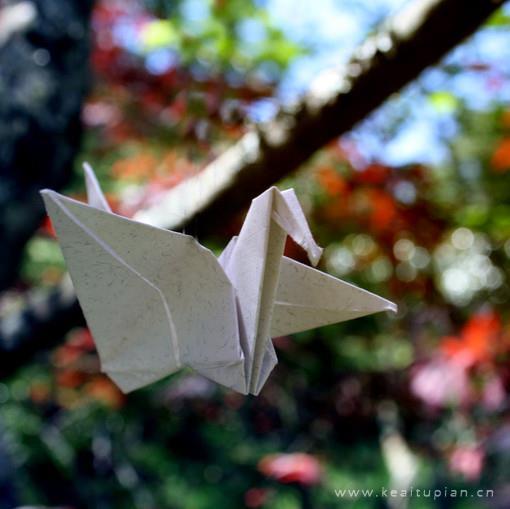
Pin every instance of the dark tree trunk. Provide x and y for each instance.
(44, 53)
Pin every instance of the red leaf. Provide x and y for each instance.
(292, 468)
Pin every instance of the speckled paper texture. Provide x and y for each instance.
(156, 300)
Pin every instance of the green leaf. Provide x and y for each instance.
(443, 102)
(499, 19)
(158, 34)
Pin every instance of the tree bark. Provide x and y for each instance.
(44, 54)
(416, 38)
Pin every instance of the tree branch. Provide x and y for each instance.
(414, 39)
(40, 325)
(411, 41)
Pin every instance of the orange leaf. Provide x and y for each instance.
(383, 211)
(331, 181)
(477, 341)
(500, 160)
(103, 390)
(373, 174)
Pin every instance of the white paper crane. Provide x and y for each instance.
(156, 300)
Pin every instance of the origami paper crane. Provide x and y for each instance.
(156, 300)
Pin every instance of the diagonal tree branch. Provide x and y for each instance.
(416, 38)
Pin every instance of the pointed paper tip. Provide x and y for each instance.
(48, 194)
(95, 196)
(391, 306)
(315, 254)
(87, 168)
(90, 176)
(312, 249)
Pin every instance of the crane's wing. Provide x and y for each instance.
(155, 300)
(308, 298)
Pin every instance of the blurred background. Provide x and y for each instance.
(413, 203)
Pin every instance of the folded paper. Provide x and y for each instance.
(156, 300)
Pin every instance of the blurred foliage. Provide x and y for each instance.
(419, 399)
